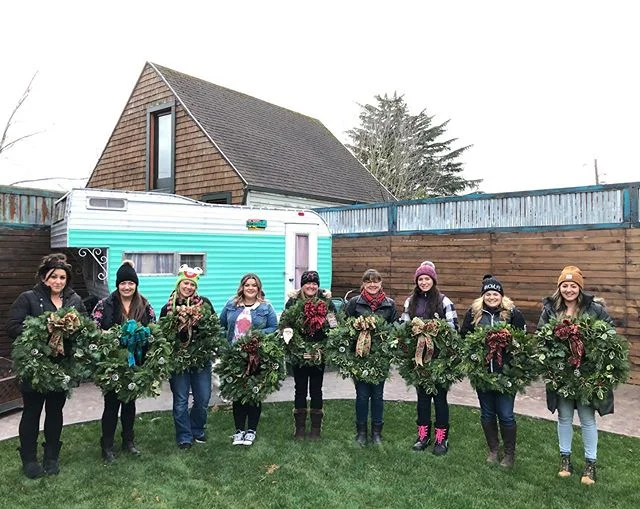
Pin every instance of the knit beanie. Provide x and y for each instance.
(426, 268)
(186, 272)
(573, 274)
(309, 276)
(126, 272)
(491, 283)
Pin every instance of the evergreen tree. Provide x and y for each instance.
(408, 153)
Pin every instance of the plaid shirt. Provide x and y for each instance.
(450, 314)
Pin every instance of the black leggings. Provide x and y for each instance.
(33, 402)
(308, 378)
(424, 407)
(243, 412)
(110, 418)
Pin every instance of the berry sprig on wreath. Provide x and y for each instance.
(427, 354)
(583, 359)
(361, 348)
(511, 352)
(44, 355)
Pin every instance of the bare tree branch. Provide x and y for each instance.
(4, 145)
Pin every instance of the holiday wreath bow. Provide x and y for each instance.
(60, 326)
(497, 341)
(570, 332)
(424, 333)
(315, 314)
(134, 337)
(188, 317)
(366, 325)
(251, 348)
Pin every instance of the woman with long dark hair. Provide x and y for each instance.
(52, 292)
(125, 303)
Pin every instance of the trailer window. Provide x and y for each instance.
(107, 203)
(59, 209)
(163, 264)
(192, 260)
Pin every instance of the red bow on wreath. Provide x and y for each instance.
(497, 341)
(315, 315)
(567, 331)
(253, 361)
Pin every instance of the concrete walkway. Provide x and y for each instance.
(86, 403)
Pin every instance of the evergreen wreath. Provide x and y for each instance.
(194, 332)
(583, 359)
(427, 354)
(510, 348)
(129, 359)
(305, 318)
(361, 348)
(251, 368)
(44, 355)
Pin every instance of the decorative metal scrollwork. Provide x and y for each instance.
(101, 259)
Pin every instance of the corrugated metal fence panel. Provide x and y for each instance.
(357, 220)
(603, 205)
(26, 206)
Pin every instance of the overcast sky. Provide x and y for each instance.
(539, 88)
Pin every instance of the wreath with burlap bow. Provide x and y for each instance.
(427, 354)
(131, 360)
(511, 352)
(583, 359)
(194, 332)
(251, 368)
(361, 348)
(44, 353)
(308, 321)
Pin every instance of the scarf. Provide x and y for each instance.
(373, 301)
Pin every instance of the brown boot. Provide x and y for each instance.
(300, 419)
(509, 440)
(316, 423)
(490, 429)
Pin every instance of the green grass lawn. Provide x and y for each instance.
(333, 472)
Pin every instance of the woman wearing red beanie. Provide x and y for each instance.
(426, 301)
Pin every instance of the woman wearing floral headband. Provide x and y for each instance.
(52, 292)
(310, 377)
(247, 310)
(125, 303)
(570, 301)
(371, 300)
(190, 425)
(426, 301)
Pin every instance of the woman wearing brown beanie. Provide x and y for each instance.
(570, 301)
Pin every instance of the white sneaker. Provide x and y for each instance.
(249, 437)
(238, 437)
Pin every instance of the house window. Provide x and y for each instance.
(161, 127)
(163, 264)
(223, 198)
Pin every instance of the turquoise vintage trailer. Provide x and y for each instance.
(161, 231)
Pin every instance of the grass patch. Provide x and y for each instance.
(277, 472)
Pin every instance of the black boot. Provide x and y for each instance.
(490, 429)
(300, 421)
(376, 433)
(423, 439)
(107, 450)
(50, 460)
(509, 441)
(316, 423)
(130, 447)
(361, 436)
(441, 445)
(30, 466)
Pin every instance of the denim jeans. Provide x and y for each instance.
(190, 425)
(424, 408)
(493, 403)
(308, 378)
(588, 425)
(364, 393)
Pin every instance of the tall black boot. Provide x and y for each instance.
(50, 460)
(490, 429)
(107, 450)
(361, 435)
(509, 440)
(376, 433)
(30, 466)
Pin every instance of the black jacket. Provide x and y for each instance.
(35, 302)
(108, 313)
(320, 335)
(357, 306)
(591, 308)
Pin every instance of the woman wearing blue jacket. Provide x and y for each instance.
(247, 310)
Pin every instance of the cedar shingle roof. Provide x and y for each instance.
(274, 148)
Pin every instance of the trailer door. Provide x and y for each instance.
(301, 253)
